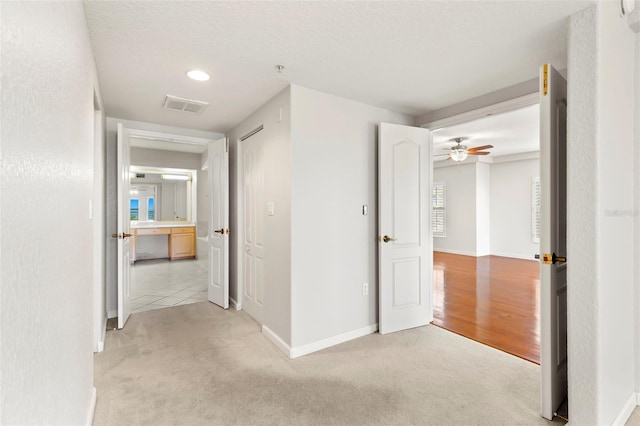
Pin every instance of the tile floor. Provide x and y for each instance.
(162, 283)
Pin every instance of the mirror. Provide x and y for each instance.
(162, 195)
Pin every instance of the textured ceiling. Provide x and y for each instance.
(410, 57)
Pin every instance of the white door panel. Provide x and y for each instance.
(218, 165)
(253, 227)
(405, 246)
(553, 275)
(124, 226)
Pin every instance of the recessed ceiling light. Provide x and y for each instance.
(198, 75)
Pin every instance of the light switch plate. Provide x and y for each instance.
(271, 210)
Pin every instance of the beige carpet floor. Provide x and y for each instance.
(198, 364)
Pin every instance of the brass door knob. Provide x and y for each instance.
(552, 258)
(387, 238)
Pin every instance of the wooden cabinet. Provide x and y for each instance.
(182, 240)
(153, 231)
(182, 243)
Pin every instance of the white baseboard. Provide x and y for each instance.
(626, 411)
(316, 346)
(92, 407)
(515, 256)
(468, 253)
(276, 340)
(461, 252)
(235, 304)
(332, 341)
(112, 314)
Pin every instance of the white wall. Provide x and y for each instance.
(334, 246)
(505, 94)
(277, 189)
(636, 23)
(483, 209)
(160, 158)
(488, 208)
(600, 200)
(46, 183)
(460, 205)
(511, 208)
(111, 188)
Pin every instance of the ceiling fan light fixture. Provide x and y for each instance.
(458, 154)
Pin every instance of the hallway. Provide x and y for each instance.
(199, 364)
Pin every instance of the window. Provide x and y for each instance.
(151, 211)
(134, 209)
(438, 215)
(143, 206)
(535, 210)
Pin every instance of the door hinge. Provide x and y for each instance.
(226, 144)
(545, 79)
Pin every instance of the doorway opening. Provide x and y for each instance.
(167, 267)
(486, 222)
(161, 179)
(552, 99)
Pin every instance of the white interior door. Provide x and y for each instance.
(253, 226)
(218, 165)
(553, 241)
(124, 229)
(405, 234)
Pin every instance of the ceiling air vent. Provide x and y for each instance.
(183, 104)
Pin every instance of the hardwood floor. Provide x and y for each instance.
(493, 300)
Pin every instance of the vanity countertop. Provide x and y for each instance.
(163, 224)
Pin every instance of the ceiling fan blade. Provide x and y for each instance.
(479, 148)
(478, 153)
(440, 155)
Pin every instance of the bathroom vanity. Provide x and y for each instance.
(180, 238)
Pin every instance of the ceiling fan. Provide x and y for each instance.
(459, 152)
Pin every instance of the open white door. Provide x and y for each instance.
(553, 241)
(405, 234)
(218, 160)
(124, 229)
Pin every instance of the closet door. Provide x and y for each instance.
(253, 225)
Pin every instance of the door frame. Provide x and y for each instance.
(494, 109)
(497, 108)
(165, 137)
(99, 218)
(236, 198)
(176, 139)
